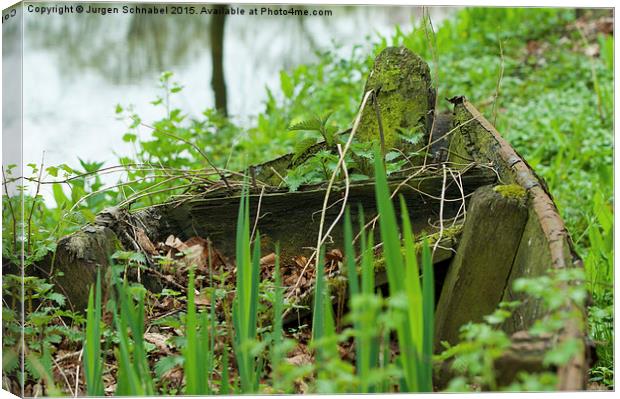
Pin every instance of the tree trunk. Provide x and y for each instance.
(218, 81)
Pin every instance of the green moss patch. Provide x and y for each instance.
(511, 191)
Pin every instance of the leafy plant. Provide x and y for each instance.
(317, 124)
(199, 353)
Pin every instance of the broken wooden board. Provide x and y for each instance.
(290, 219)
(481, 267)
(545, 244)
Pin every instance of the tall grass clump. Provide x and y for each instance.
(413, 304)
(133, 375)
(245, 304)
(93, 370)
(364, 304)
(199, 350)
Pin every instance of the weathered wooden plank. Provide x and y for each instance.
(487, 146)
(532, 260)
(288, 218)
(479, 271)
(292, 219)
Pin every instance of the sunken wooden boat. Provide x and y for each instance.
(494, 217)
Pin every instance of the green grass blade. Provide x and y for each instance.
(349, 254)
(245, 304)
(254, 288)
(428, 292)
(389, 229)
(368, 284)
(395, 270)
(225, 384)
(190, 365)
(318, 317)
(412, 282)
(128, 383)
(366, 248)
(353, 282)
(278, 306)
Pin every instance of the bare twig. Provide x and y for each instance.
(68, 356)
(128, 183)
(77, 373)
(64, 376)
(11, 210)
(34, 203)
(459, 184)
(443, 194)
(260, 201)
(278, 174)
(165, 278)
(454, 129)
(147, 191)
(499, 82)
(193, 146)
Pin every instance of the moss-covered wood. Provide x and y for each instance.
(401, 104)
(403, 99)
(78, 257)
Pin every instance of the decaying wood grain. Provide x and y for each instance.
(292, 219)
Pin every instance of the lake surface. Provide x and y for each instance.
(77, 67)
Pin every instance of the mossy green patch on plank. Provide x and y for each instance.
(511, 191)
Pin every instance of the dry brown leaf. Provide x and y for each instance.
(168, 303)
(174, 376)
(299, 360)
(207, 247)
(145, 243)
(334, 255)
(110, 389)
(268, 260)
(195, 256)
(592, 50)
(175, 242)
(202, 299)
(157, 339)
(300, 260)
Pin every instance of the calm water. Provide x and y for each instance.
(77, 67)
